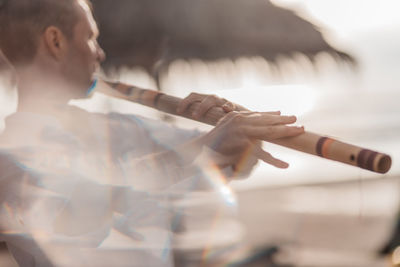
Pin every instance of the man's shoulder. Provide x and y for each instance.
(24, 128)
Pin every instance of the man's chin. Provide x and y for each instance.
(80, 89)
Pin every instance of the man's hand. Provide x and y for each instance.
(236, 137)
(206, 103)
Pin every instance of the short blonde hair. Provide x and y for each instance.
(23, 21)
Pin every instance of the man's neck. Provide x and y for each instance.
(42, 91)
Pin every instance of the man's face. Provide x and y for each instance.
(84, 54)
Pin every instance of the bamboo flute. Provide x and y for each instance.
(308, 142)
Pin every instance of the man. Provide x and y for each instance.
(70, 178)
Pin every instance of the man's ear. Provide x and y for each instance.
(55, 41)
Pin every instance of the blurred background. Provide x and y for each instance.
(332, 63)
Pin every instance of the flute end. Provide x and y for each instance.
(384, 164)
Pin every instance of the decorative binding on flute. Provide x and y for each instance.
(323, 145)
(142, 96)
(366, 159)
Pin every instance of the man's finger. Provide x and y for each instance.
(272, 132)
(228, 107)
(206, 104)
(268, 158)
(261, 119)
(273, 112)
(187, 101)
(272, 119)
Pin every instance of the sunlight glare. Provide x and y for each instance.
(345, 16)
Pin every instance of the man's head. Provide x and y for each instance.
(60, 33)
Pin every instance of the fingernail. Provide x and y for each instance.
(285, 166)
(227, 108)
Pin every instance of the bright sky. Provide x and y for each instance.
(348, 16)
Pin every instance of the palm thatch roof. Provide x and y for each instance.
(153, 33)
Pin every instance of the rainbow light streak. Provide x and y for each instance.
(228, 195)
(219, 181)
(207, 252)
(217, 178)
(242, 164)
(11, 217)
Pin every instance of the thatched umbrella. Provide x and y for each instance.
(153, 33)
